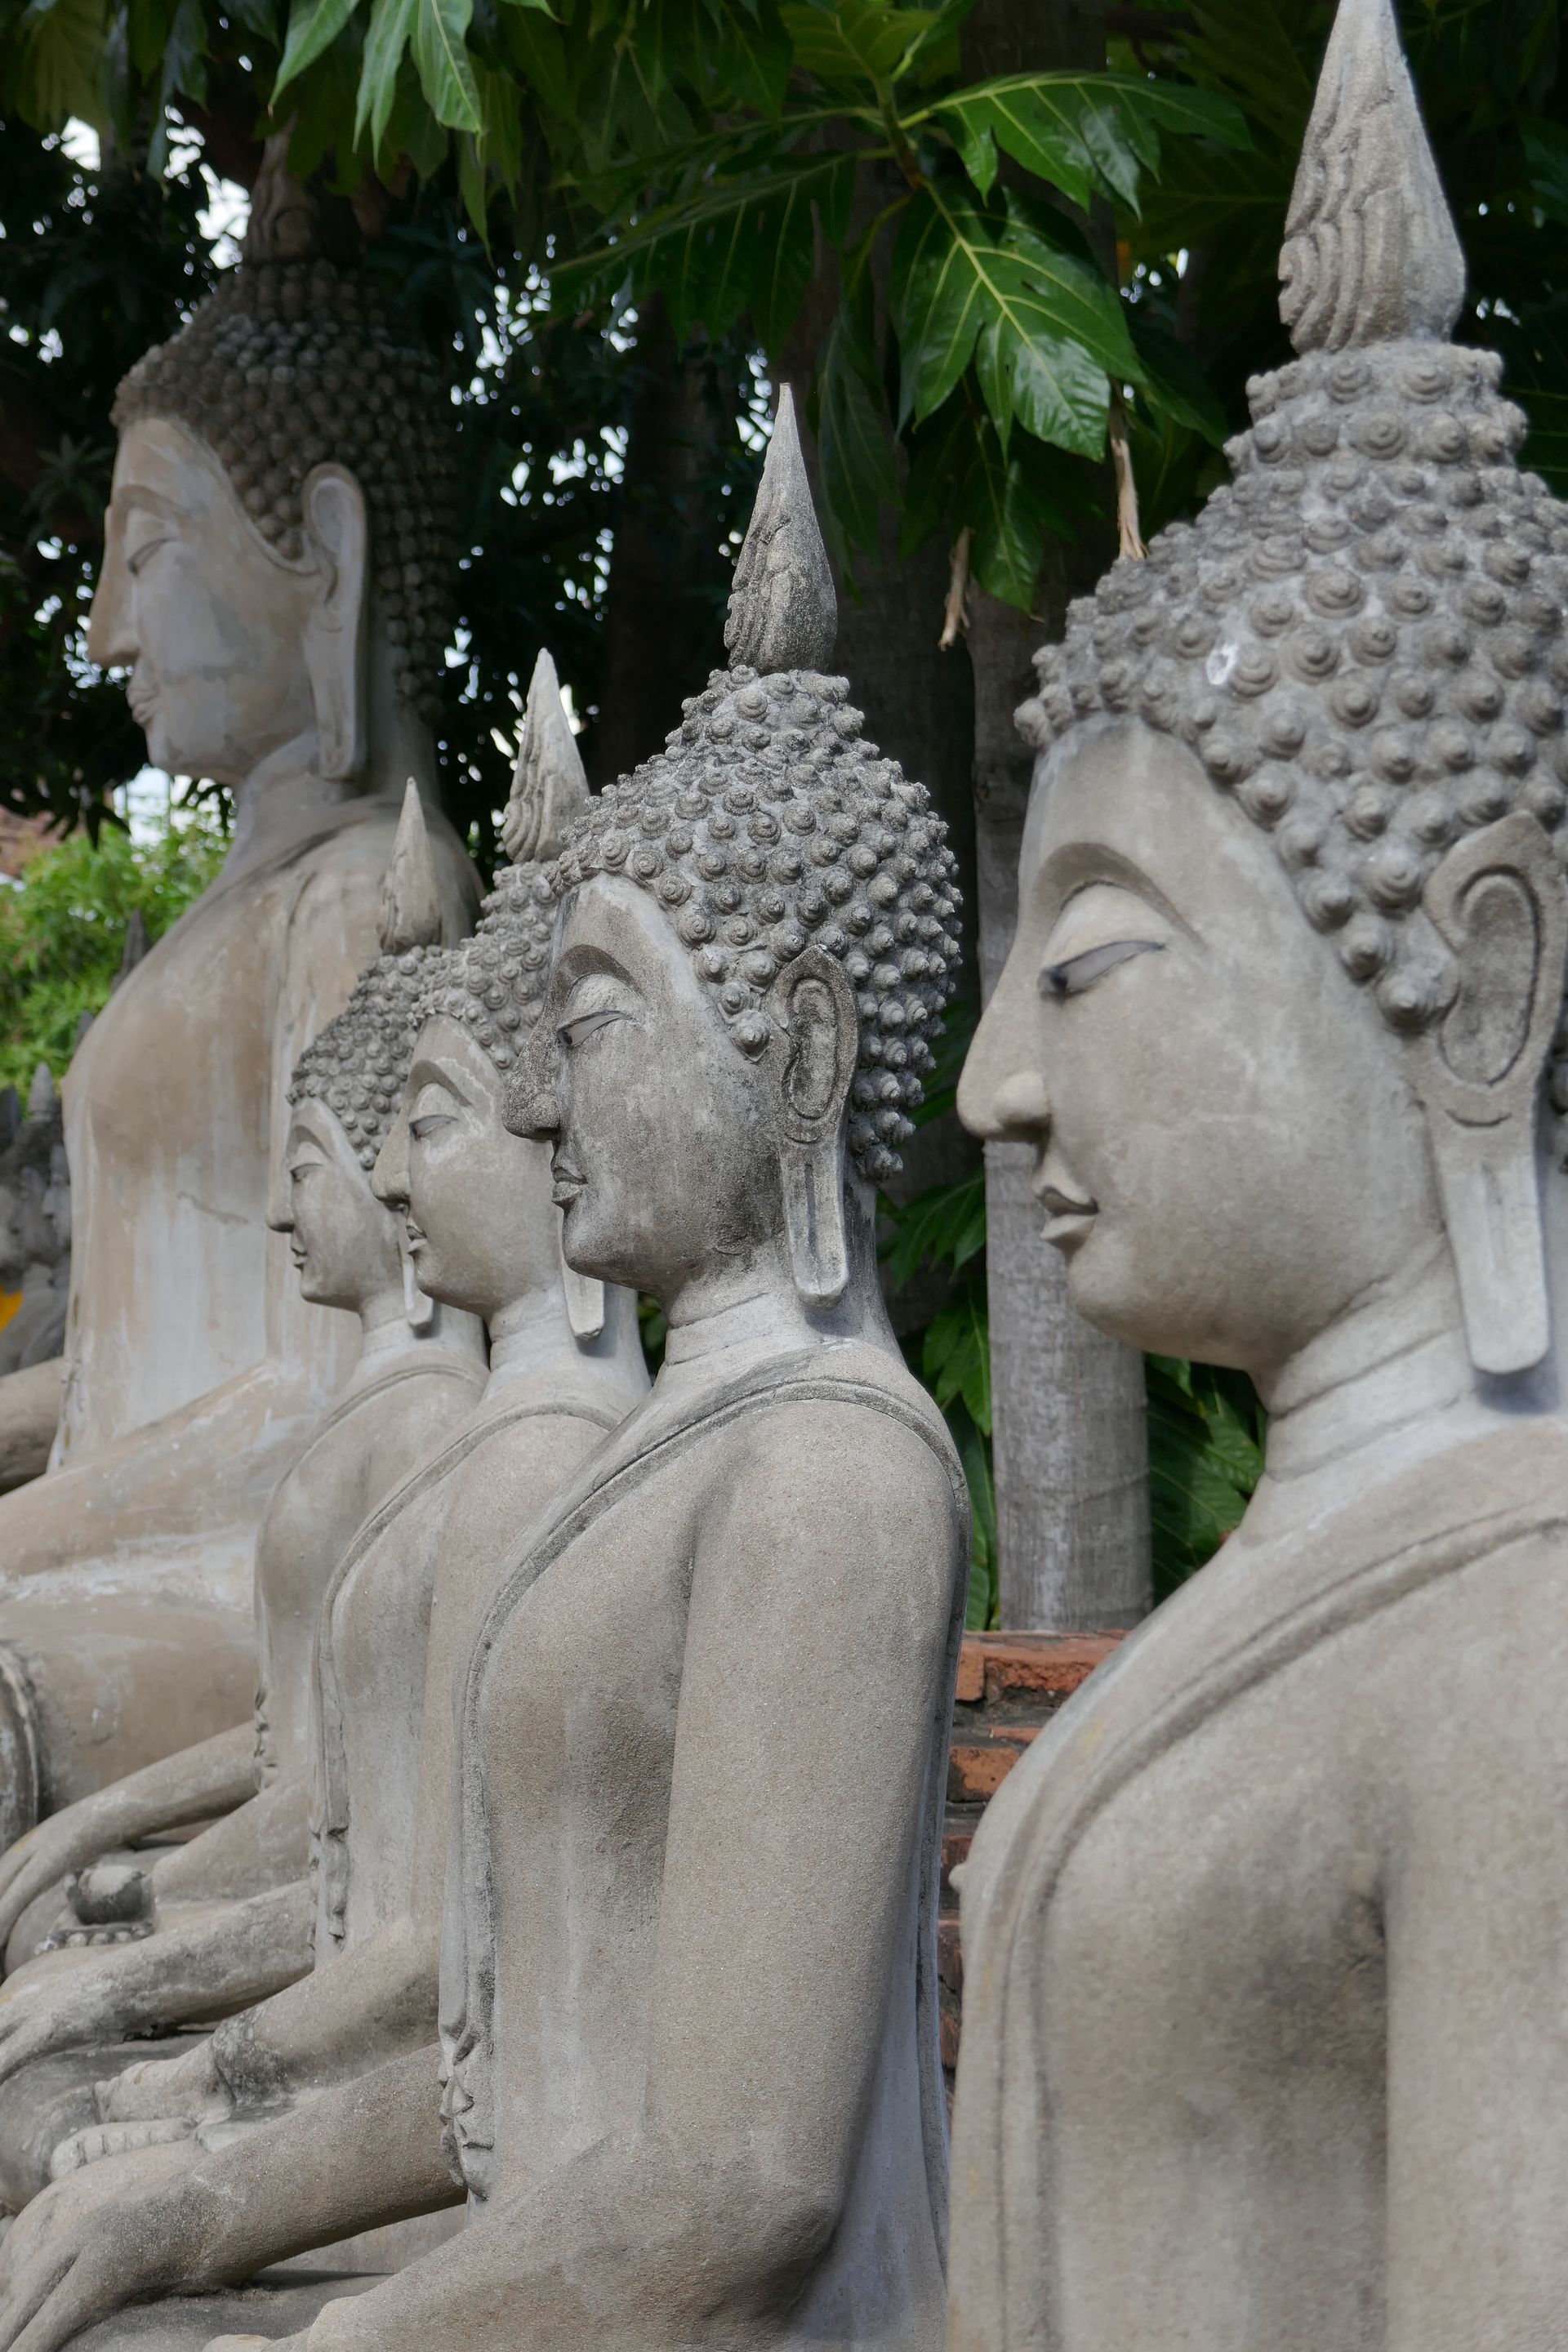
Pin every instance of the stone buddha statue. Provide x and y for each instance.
(275, 580)
(1265, 1938)
(226, 1918)
(400, 1614)
(688, 1985)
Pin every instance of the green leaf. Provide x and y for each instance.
(982, 1601)
(857, 40)
(1246, 46)
(1174, 384)
(946, 1225)
(445, 70)
(1001, 285)
(1545, 148)
(957, 1354)
(1205, 1430)
(391, 23)
(746, 246)
(57, 72)
(1009, 502)
(313, 24)
(854, 438)
(1086, 133)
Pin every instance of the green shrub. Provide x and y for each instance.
(62, 931)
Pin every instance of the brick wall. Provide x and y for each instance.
(1008, 1685)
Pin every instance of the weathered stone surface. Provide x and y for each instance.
(1263, 1933)
(266, 614)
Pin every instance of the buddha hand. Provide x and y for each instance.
(87, 2245)
(188, 2090)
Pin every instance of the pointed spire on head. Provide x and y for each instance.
(42, 1095)
(410, 896)
(784, 613)
(1371, 255)
(549, 789)
(285, 222)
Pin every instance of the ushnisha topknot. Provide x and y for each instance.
(768, 824)
(358, 1063)
(494, 984)
(296, 362)
(1362, 638)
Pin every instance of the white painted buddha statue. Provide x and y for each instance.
(227, 1918)
(275, 580)
(1266, 1936)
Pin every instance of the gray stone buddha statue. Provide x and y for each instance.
(226, 1917)
(396, 1624)
(687, 1984)
(1264, 1939)
(276, 582)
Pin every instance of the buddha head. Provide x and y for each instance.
(281, 538)
(344, 1094)
(482, 1230)
(755, 941)
(1284, 1013)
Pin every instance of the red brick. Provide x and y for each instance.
(971, 1672)
(1053, 1664)
(978, 1762)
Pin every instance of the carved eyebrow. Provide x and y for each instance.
(1081, 972)
(136, 495)
(429, 1069)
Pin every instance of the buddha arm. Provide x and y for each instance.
(211, 1777)
(810, 1694)
(1477, 1945)
(262, 1843)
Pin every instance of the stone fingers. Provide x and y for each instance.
(27, 2324)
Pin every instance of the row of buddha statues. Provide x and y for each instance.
(474, 1814)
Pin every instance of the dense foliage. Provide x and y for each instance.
(63, 932)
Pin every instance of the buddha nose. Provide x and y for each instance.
(529, 1108)
(1001, 1093)
(279, 1216)
(389, 1177)
(111, 640)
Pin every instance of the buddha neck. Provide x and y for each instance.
(724, 1324)
(389, 1341)
(531, 1343)
(285, 797)
(1390, 1381)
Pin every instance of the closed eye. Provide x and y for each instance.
(133, 564)
(1081, 972)
(420, 1128)
(573, 1034)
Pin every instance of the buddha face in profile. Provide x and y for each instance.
(218, 630)
(752, 956)
(1280, 1020)
(475, 1199)
(279, 539)
(342, 1243)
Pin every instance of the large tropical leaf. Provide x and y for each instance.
(58, 56)
(391, 23)
(1086, 133)
(854, 438)
(446, 70)
(957, 1354)
(1003, 284)
(747, 247)
(859, 40)
(313, 24)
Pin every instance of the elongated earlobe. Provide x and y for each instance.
(813, 1005)
(418, 1306)
(585, 1291)
(339, 532)
(1500, 901)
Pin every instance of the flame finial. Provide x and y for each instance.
(549, 789)
(1371, 255)
(784, 613)
(410, 896)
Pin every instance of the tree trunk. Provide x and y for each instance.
(1069, 1425)
(1069, 1421)
(664, 612)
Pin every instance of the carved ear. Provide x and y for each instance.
(339, 532)
(1500, 901)
(812, 1003)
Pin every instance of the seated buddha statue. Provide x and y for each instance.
(401, 1610)
(1265, 1938)
(226, 1918)
(276, 582)
(688, 1982)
